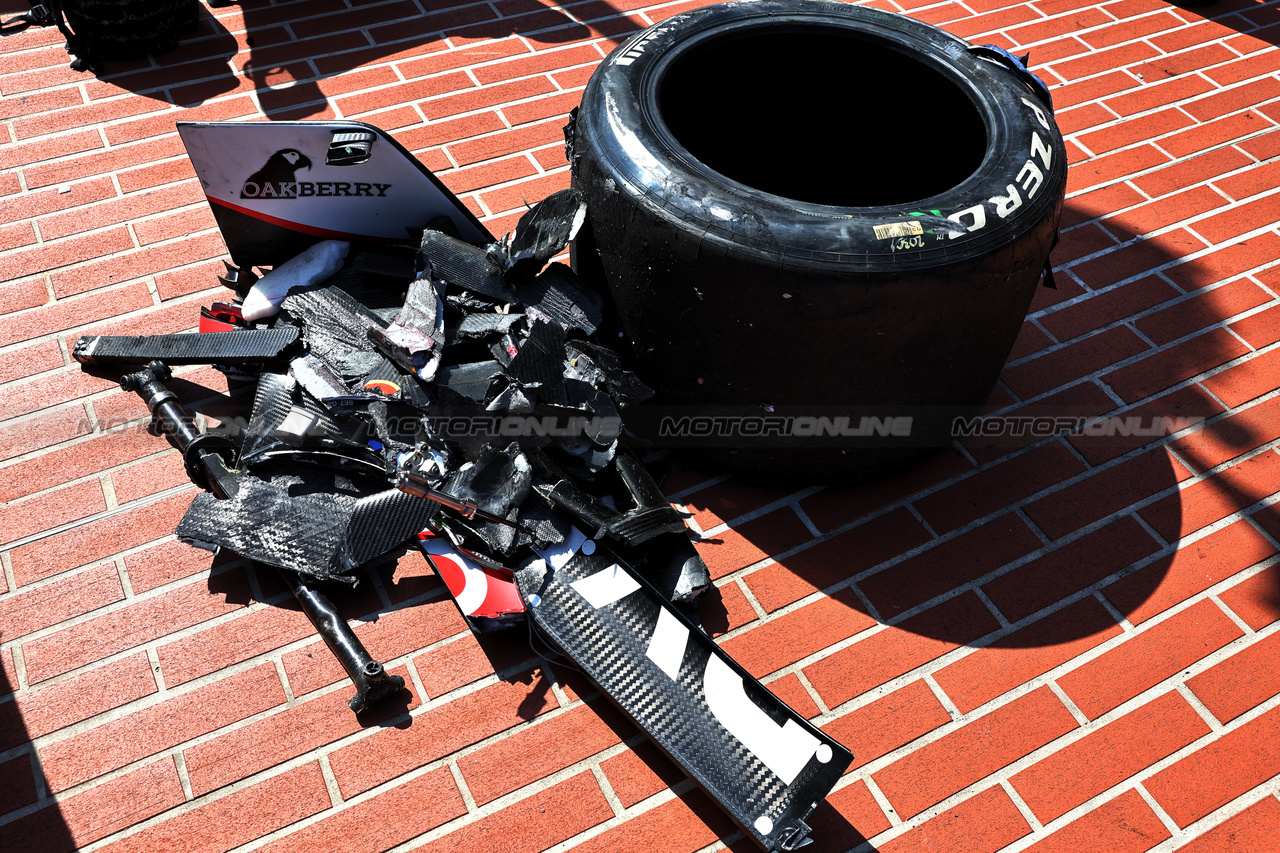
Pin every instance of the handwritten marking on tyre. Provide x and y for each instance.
(898, 229)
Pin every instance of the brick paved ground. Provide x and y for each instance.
(1068, 644)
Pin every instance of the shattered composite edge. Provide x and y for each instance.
(342, 457)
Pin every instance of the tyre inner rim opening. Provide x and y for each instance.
(823, 117)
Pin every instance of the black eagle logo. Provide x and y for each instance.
(280, 169)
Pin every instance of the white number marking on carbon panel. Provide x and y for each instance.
(666, 646)
(606, 586)
(785, 749)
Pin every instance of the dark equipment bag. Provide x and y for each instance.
(110, 29)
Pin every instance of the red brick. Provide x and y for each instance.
(898, 649)
(405, 92)
(280, 737)
(878, 728)
(135, 264)
(1131, 30)
(723, 609)
(91, 456)
(100, 811)
(1026, 654)
(486, 96)
(132, 625)
(638, 774)
(1107, 307)
(1185, 408)
(244, 816)
(749, 543)
(382, 822)
(787, 639)
(97, 539)
(1203, 503)
(944, 567)
(28, 153)
(847, 817)
(31, 610)
(389, 636)
(147, 478)
(73, 312)
(449, 130)
(1237, 221)
(254, 632)
(1261, 329)
(836, 506)
(1069, 569)
(83, 696)
(1106, 492)
(159, 727)
(1213, 133)
(540, 62)
(1253, 829)
(1168, 367)
(17, 783)
(1232, 100)
(1125, 824)
(524, 194)
(1147, 658)
(726, 501)
(1191, 569)
(547, 106)
(1109, 755)
(50, 391)
(44, 431)
(684, 824)
(23, 518)
(1098, 203)
(1078, 19)
(931, 773)
(1230, 437)
(139, 205)
(999, 486)
(1206, 308)
(42, 202)
(1254, 599)
(1030, 340)
(1193, 170)
(789, 689)
(164, 563)
(100, 162)
(467, 659)
(1159, 94)
(1136, 258)
(983, 823)
(30, 360)
(1263, 147)
(1220, 771)
(546, 747)
(1077, 119)
(1134, 130)
(836, 559)
(535, 823)
(438, 732)
(1259, 179)
(1242, 681)
(1115, 166)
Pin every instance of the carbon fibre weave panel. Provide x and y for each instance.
(765, 764)
(245, 346)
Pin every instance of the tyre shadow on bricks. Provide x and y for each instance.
(1029, 544)
(279, 41)
(19, 786)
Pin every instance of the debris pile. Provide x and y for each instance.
(461, 395)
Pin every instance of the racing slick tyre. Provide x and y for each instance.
(821, 226)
